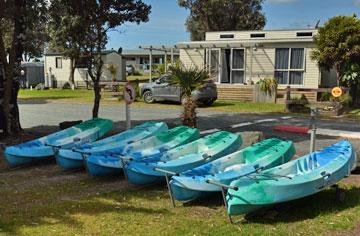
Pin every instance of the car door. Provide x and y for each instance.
(161, 89)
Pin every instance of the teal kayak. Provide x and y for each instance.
(108, 164)
(296, 179)
(259, 156)
(44, 147)
(73, 158)
(182, 158)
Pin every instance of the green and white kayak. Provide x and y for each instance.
(44, 147)
(266, 154)
(296, 179)
(108, 164)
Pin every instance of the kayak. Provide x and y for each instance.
(73, 158)
(263, 155)
(296, 179)
(46, 147)
(111, 164)
(182, 158)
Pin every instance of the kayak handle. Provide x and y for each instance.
(166, 171)
(81, 151)
(325, 175)
(125, 158)
(206, 156)
(209, 181)
(51, 145)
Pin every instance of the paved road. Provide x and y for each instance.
(51, 114)
(46, 117)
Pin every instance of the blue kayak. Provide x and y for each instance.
(109, 164)
(182, 158)
(73, 158)
(46, 147)
(296, 179)
(259, 156)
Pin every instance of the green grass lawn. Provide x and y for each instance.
(234, 106)
(82, 206)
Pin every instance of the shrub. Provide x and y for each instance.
(268, 84)
(325, 97)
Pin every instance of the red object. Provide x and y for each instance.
(292, 129)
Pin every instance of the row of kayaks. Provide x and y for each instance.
(255, 176)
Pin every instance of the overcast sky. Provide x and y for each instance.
(166, 24)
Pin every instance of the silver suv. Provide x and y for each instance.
(161, 90)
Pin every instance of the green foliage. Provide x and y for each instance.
(338, 42)
(345, 100)
(351, 74)
(268, 85)
(137, 73)
(222, 15)
(113, 71)
(188, 79)
(325, 97)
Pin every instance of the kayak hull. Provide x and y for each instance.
(99, 166)
(46, 147)
(74, 159)
(296, 179)
(192, 184)
(182, 158)
(69, 160)
(155, 145)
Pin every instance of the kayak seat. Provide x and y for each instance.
(234, 167)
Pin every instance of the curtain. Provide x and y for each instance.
(282, 58)
(296, 77)
(214, 65)
(225, 66)
(281, 77)
(297, 58)
(237, 77)
(238, 59)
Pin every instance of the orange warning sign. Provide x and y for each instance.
(336, 92)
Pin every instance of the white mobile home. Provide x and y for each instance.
(57, 69)
(240, 58)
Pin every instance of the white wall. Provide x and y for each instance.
(61, 75)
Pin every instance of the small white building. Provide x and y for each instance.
(237, 59)
(140, 59)
(57, 69)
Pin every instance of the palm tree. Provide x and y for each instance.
(188, 79)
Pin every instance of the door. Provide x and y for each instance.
(215, 64)
(161, 88)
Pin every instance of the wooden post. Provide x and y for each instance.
(150, 58)
(287, 99)
(165, 61)
(172, 56)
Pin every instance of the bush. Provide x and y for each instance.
(268, 84)
(325, 97)
(137, 73)
(67, 85)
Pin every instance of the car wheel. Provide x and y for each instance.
(207, 103)
(148, 97)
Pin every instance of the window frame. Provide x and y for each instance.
(289, 70)
(57, 64)
(237, 69)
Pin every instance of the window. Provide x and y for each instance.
(289, 65)
(257, 35)
(238, 66)
(58, 62)
(226, 36)
(304, 34)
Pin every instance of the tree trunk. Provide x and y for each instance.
(189, 117)
(72, 71)
(97, 99)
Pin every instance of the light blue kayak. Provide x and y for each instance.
(296, 179)
(263, 155)
(182, 158)
(45, 147)
(73, 158)
(105, 164)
